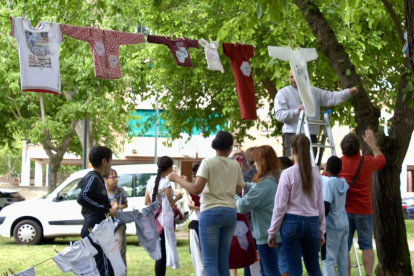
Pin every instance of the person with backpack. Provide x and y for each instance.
(357, 171)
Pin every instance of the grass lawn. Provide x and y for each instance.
(139, 263)
(409, 226)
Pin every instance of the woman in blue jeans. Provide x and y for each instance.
(259, 200)
(218, 180)
(299, 211)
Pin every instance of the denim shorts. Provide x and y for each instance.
(364, 226)
(281, 259)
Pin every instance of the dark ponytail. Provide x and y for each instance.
(164, 163)
(302, 147)
(223, 141)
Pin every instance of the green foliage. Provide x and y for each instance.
(11, 156)
(102, 101)
(194, 97)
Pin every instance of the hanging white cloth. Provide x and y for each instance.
(103, 234)
(78, 258)
(28, 272)
(298, 64)
(212, 55)
(166, 220)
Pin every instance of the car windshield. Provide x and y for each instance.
(49, 193)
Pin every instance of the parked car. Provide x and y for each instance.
(408, 204)
(8, 197)
(59, 215)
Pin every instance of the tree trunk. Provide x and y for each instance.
(409, 23)
(390, 234)
(54, 163)
(56, 154)
(90, 140)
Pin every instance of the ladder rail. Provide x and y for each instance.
(356, 258)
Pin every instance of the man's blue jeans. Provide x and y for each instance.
(268, 259)
(300, 236)
(216, 228)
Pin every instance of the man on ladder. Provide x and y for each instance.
(288, 105)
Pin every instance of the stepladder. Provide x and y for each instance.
(304, 122)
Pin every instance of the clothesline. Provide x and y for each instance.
(39, 57)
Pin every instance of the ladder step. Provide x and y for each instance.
(322, 146)
(317, 122)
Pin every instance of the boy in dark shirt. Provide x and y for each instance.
(94, 200)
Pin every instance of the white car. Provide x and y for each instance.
(59, 215)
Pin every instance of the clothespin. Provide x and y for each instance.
(51, 22)
(11, 271)
(107, 217)
(55, 251)
(133, 210)
(90, 231)
(22, 15)
(149, 206)
(5, 274)
(81, 241)
(210, 39)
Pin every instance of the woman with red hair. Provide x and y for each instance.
(260, 201)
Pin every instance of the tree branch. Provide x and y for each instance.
(366, 114)
(66, 140)
(8, 39)
(17, 109)
(47, 143)
(69, 94)
(396, 19)
(42, 108)
(270, 87)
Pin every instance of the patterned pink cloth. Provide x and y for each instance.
(104, 46)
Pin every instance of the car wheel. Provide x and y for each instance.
(28, 232)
